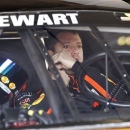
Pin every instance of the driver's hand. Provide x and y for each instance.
(63, 60)
(64, 76)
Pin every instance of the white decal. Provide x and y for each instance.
(94, 91)
(59, 17)
(126, 18)
(5, 88)
(22, 18)
(16, 92)
(26, 100)
(44, 18)
(73, 17)
(28, 20)
(4, 21)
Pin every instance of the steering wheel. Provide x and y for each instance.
(86, 90)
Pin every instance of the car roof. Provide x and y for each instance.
(24, 5)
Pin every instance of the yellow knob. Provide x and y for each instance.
(5, 79)
(12, 86)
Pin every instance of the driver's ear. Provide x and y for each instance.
(50, 53)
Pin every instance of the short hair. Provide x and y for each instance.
(51, 41)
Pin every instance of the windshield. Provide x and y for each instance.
(64, 68)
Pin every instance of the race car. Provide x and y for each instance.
(33, 93)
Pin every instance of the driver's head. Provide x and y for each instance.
(70, 41)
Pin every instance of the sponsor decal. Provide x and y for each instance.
(25, 105)
(38, 19)
(41, 97)
(26, 100)
(24, 94)
(16, 92)
(94, 91)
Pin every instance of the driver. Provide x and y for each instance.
(67, 53)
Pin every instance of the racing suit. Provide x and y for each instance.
(93, 79)
(96, 82)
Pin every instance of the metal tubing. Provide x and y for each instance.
(41, 71)
(68, 100)
(125, 76)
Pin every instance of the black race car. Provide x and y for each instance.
(25, 65)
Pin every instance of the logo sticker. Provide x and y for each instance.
(41, 19)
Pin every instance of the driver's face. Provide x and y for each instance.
(71, 43)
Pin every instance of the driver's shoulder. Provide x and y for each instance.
(90, 69)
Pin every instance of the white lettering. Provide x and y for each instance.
(73, 17)
(44, 18)
(22, 18)
(59, 17)
(4, 21)
(28, 20)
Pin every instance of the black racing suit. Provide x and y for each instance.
(94, 80)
